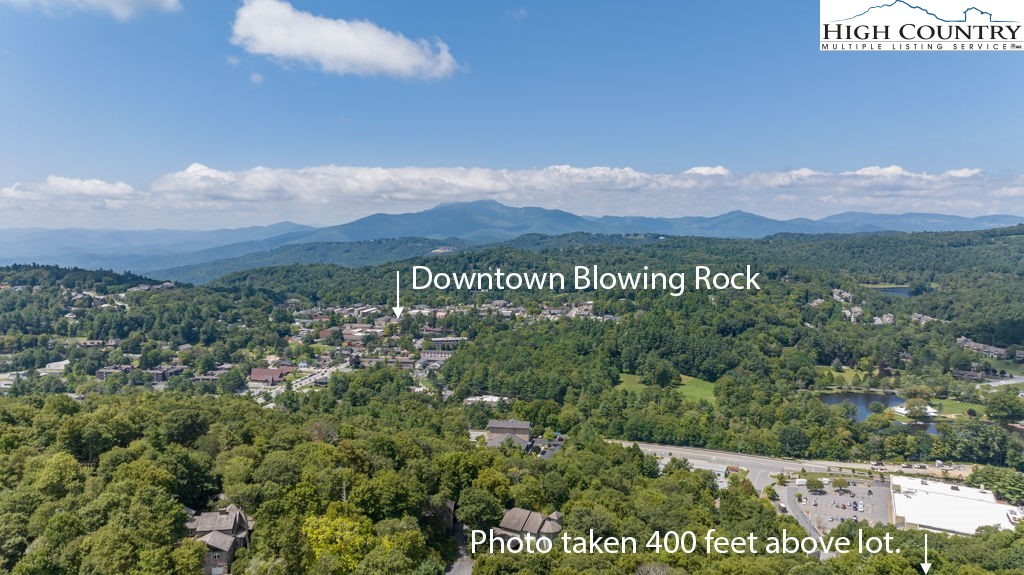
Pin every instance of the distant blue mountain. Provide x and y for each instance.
(482, 221)
(131, 249)
(176, 252)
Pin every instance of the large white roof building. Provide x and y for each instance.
(935, 506)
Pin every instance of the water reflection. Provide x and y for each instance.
(863, 400)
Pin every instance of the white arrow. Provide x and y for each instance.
(398, 309)
(926, 566)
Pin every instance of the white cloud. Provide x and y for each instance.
(204, 196)
(120, 9)
(256, 78)
(276, 29)
(962, 173)
(66, 195)
(708, 171)
(595, 190)
(880, 172)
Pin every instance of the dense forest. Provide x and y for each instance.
(352, 481)
(356, 476)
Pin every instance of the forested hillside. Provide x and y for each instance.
(128, 400)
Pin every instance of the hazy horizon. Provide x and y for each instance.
(404, 212)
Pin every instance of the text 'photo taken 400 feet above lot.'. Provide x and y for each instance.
(395, 287)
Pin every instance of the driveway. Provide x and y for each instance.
(464, 564)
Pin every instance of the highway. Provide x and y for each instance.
(762, 468)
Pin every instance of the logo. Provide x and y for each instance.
(922, 25)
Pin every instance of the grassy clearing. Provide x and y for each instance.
(689, 387)
(954, 407)
(697, 389)
(1011, 367)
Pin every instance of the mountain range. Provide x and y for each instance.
(198, 256)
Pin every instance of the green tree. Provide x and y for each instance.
(478, 508)
(345, 538)
(1005, 405)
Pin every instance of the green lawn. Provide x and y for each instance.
(689, 387)
(1011, 367)
(954, 407)
(697, 389)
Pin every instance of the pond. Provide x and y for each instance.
(861, 400)
(897, 291)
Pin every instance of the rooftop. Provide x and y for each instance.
(509, 424)
(950, 508)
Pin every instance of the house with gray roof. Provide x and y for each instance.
(224, 532)
(518, 522)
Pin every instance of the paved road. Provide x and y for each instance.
(307, 382)
(762, 468)
(1002, 382)
(788, 496)
(464, 564)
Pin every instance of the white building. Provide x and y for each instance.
(929, 411)
(486, 399)
(55, 368)
(935, 506)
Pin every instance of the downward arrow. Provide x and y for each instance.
(398, 309)
(926, 566)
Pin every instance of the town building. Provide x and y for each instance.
(270, 376)
(436, 355)
(501, 430)
(105, 372)
(982, 349)
(492, 400)
(164, 372)
(947, 508)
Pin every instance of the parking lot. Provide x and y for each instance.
(825, 510)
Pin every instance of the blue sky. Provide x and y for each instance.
(211, 113)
